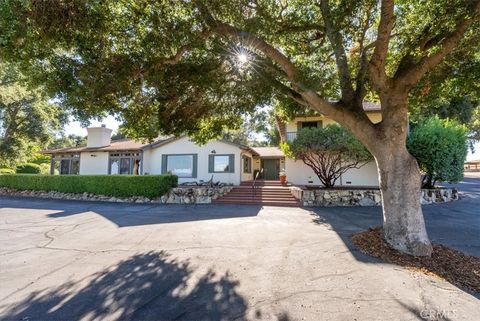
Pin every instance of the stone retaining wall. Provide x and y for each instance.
(178, 195)
(194, 195)
(205, 195)
(364, 197)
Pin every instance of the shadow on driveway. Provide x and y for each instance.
(127, 214)
(149, 286)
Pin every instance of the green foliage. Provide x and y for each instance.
(246, 132)
(71, 140)
(287, 149)
(28, 121)
(7, 171)
(156, 62)
(329, 151)
(40, 159)
(464, 110)
(109, 185)
(28, 168)
(440, 148)
(474, 126)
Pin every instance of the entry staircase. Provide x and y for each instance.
(260, 192)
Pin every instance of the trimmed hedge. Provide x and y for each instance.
(108, 185)
(29, 168)
(7, 171)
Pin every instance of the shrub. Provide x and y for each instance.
(109, 185)
(29, 168)
(328, 151)
(440, 147)
(7, 171)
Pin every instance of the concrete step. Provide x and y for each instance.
(266, 193)
(260, 199)
(277, 188)
(255, 202)
(259, 196)
(262, 183)
(260, 191)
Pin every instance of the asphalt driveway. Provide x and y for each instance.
(100, 261)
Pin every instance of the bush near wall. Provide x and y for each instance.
(108, 185)
(28, 168)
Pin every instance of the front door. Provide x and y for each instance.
(271, 168)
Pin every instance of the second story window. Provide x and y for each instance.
(310, 124)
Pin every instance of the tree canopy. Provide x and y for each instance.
(207, 62)
(28, 121)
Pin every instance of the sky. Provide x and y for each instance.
(74, 127)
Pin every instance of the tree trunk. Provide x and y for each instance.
(400, 181)
(403, 223)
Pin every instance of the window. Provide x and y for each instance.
(114, 166)
(136, 167)
(125, 166)
(181, 165)
(125, 163)
(64, 167)
(221, 163)
(66, 164)
(310, 124)
(247, 164)
(75, 166)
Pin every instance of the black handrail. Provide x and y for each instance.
(255, 181)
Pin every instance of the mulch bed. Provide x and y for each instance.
(454, 266)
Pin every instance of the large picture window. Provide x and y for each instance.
(125, 163)
(221, 163)
(184, 165)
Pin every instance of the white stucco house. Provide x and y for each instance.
(225, 161)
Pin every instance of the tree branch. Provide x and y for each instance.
(360, 89)
(354, 119)
(340, 56)
(409, 73)
(376, 69)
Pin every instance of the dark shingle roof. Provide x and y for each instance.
(116, 145)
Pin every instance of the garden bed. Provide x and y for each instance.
(177, 195)
(454, 266)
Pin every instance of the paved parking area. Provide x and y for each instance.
(100, 261)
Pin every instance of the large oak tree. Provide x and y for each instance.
(192, 66)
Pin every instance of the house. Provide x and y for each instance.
(300, 174)
(224, 161)
(472, 166)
